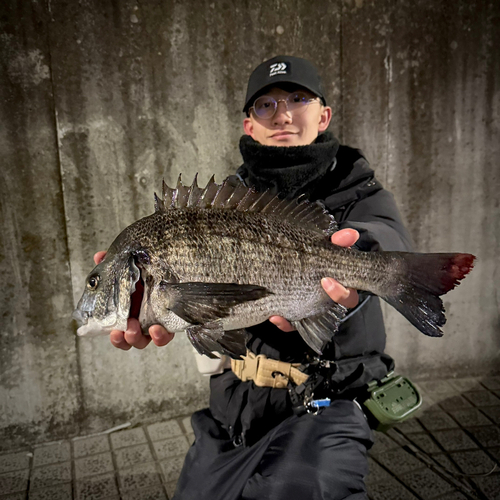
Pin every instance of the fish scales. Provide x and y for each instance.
(244, 240)
(210, 265)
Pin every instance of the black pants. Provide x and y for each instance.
(316, 457)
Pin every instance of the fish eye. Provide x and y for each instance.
(93, 282)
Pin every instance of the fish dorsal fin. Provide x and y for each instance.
(166, 200)
(227, 196)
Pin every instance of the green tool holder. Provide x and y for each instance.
(392, 400)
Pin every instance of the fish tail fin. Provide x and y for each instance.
(421, 279)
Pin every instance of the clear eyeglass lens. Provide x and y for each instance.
(298, 100)
(265, 106)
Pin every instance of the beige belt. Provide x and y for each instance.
(266, 372)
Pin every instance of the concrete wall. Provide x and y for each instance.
(100, 100)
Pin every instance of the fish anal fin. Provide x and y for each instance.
(199, 303)
(319, 329)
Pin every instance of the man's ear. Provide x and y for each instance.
(325, 118)
(248, 127)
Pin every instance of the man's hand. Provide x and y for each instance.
(133, 337)
(348, 297)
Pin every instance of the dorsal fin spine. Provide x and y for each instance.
(255, 204)
(206, 196)
(234, 200)
(299, 211)
(168, 196)
(175, 194)
(242, 205)
(194, 192)
(268, 208)
(219, 199)
(159, 206)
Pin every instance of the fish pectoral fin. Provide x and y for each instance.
(200, 303)
(211, 337)
(319, 329)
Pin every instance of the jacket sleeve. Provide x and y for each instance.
(377, 219)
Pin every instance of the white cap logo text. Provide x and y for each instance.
(278, 69)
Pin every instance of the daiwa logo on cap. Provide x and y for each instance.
(278, 69)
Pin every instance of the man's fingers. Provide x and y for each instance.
(118, 340)
(345, 237)
(348, 297)
(98, 257)
(282, 323)
(137, 340)
(132, 337)
(160, 336)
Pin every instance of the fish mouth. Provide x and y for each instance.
(92, 327)
(124, 302)
(136, 298)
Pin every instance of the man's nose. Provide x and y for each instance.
(282, 114)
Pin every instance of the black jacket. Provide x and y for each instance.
(357, 200)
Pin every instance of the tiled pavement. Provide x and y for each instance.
(140, 463)
(459, 427)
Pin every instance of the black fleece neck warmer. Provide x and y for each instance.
(287, 170)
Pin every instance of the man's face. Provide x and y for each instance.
(288, 128)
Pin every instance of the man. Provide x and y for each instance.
(257, 441)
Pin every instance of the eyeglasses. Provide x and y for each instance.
(265, 106)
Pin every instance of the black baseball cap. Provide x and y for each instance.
(283, 69)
